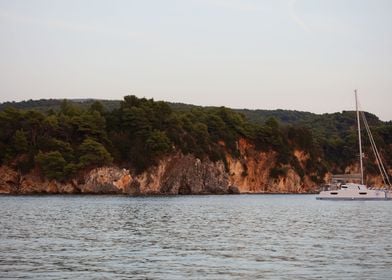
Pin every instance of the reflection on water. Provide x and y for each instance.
(200, 237)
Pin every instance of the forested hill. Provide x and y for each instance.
(63, 137)
(324, 125)
(257, 116)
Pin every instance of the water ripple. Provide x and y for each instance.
(194, 237)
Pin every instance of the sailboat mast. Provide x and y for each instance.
(359, 136)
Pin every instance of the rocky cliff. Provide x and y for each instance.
(174, 174)
(249, 172)
(177, 174)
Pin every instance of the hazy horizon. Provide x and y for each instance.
(285, 54)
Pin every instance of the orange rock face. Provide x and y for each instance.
(9, 180)
(249, 172)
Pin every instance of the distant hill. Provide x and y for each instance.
(283, 116)
(329, 125)
(322, 125)
(44, 105)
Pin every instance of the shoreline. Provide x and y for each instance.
(150, 195)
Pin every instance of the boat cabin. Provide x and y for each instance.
(353, 186)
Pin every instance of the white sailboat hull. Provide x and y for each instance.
(355, 194)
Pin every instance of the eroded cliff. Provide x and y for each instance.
(249, 172)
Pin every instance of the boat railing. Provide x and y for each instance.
(346, 178)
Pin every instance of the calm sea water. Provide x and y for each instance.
(194, 237)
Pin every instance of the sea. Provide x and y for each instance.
(194, 237)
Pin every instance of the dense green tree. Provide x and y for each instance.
(135, 121)
(158, 143)
(98, 107)
(19, 142)
(32, 124)
(68, 108)
(52, 164)
(93, 153)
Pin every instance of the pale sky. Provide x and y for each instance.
(306, 55)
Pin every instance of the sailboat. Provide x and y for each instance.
(340, 189)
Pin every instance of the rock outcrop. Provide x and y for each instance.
(107, 180)
(9, 180)
(178, 174)
(189, 175)
(251, 172)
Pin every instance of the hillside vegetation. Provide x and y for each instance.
(62, 138)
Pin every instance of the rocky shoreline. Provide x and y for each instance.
(177, 174)
(174, 175)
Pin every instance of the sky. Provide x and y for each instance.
(306, 55)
